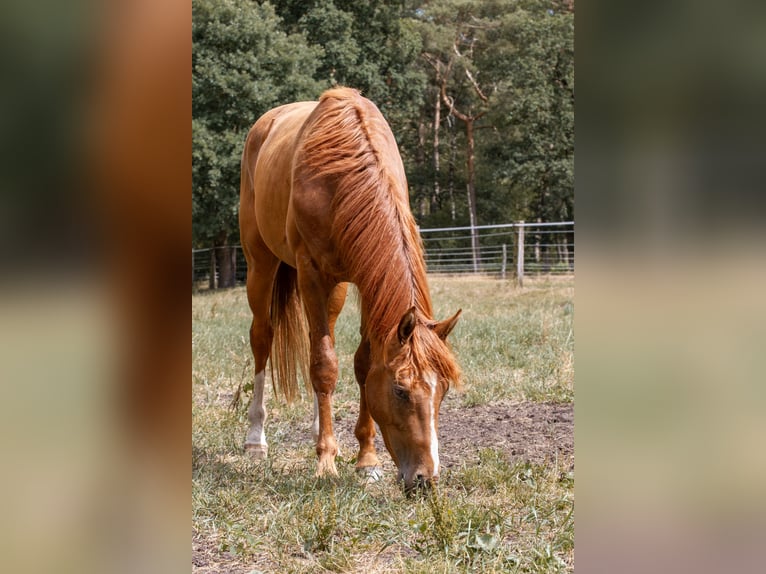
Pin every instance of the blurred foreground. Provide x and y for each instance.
(671, 318)
(94, 356)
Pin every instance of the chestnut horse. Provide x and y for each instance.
(324, 203)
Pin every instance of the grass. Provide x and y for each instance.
(497, 515)
(512, 343)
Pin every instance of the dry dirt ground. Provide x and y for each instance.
(535, 432)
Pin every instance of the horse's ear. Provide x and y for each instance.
(444, 328)
(407, 326)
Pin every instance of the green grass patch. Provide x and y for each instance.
(495, 515)
(512, 344)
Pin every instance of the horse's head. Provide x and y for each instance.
(410, 373)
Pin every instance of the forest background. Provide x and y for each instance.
(479, 94)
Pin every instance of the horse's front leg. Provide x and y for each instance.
(316, 292)
(334, 307)
(324, 375)
(367, 460)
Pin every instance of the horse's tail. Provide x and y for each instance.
(290, 345)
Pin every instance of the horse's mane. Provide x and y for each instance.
(373, 228)
(347, 142)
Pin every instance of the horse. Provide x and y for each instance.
(324, 203)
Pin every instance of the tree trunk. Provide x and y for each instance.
(227, 266)
(471, 189)
(424, 204)
(225, 256)
(564, 251)
(437, 126)
(469, 119)
(451, 175)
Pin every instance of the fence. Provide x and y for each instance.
(511, 250)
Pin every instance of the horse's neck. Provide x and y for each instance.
(419, 297)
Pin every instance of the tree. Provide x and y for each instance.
(532, 148)
(370, 46)
(479, 95)
(459, 87)
(243, 64)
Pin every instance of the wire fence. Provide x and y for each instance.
(511, 249)
(507, 251)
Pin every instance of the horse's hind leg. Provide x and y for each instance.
(261, 268)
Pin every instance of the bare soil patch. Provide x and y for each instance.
(536, 432)
(526, 431)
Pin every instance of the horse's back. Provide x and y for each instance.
(319, 170)
(266, 172)
(348, 184)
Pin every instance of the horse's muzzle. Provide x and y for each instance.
(417, 484)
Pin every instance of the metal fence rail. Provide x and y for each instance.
(503, 250)
(510, 250)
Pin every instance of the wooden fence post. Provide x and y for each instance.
(520, 255)
(212, 282)
(505, 260)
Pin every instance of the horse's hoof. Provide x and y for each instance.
(370, 473)
(326, 467)
(257, 451)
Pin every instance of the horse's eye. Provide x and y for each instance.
(401, 393)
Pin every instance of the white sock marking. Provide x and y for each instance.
(256, 414)
(315, 425)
